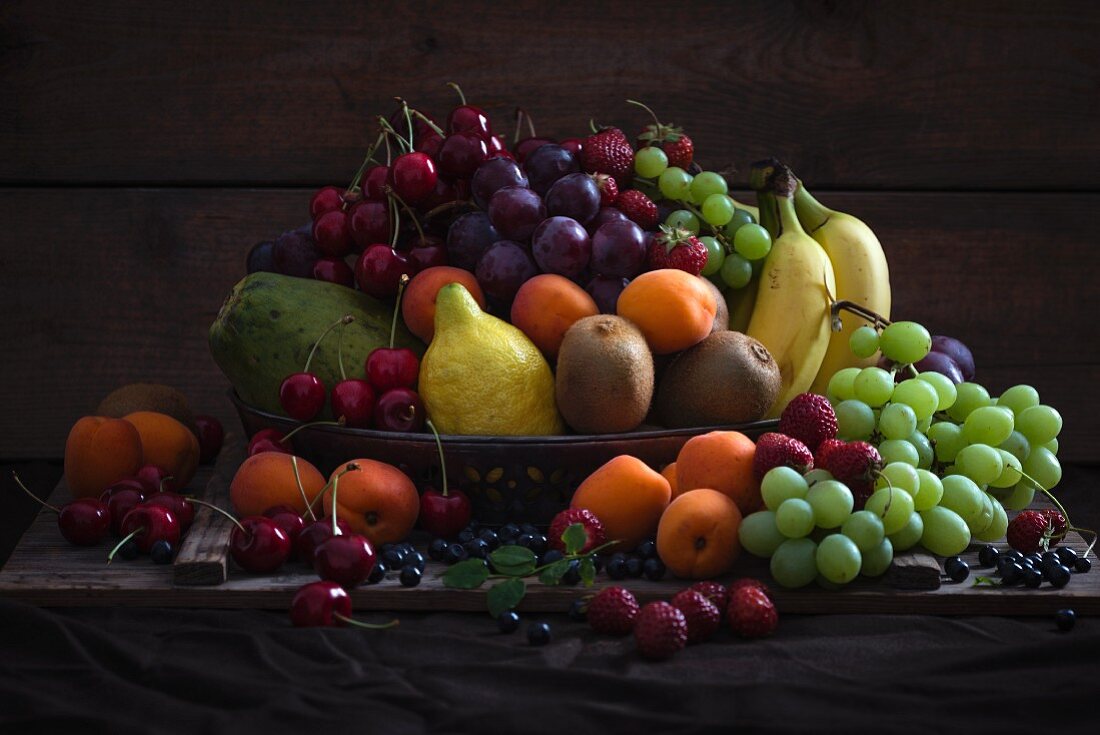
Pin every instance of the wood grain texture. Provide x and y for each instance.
(203, 556)
(996, 95)
(125, 286)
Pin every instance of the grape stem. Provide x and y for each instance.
(859, 310)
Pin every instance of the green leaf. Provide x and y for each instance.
(466, 575)
(574, 538)
(511, 556)
(552, 574)
(505, 596)
(520, 570)
(588, 571)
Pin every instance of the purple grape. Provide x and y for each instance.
(516, 211)
(938, 362)
(605, 291)
(494, 175)
(262, 257)
(547, 164)
(574, 195)
(468, 237)
(504, 267)
(294, 254)
(619, 249)
(605, 215)
(561, 245)
(957, 351)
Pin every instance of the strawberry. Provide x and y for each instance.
(638, 207)
(853, 463)
(716, 592)
(1057, 521)
(751, 614)
(778, 450)
(703, 616)
(1030, 531)
(676, 249)
(566, 518)
(608, 152)
(810, 419)
(613, 611)
(660, 631)
(609, 190)
(677, 147)
(748, 582)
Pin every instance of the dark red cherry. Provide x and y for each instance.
(267, 440)
(413, 176)
(320, 604)
(353, 399)
(427, 256)
(325, 199)
(262, 547)
(374, 183)
(175, 504)
(469, 119)
(121, 499)
(379, 269)
(149, 524)
(444, 515)
(392, 367)
(430, 143)
(527, 146)
(155, 479)
(370, 223)
(211, 437)
(347, 559)
(314, 534)
(332, 233)
(84, 521)
(573, 145)
(444, 193)
(292, 523)
(334, 270)
(461, 154)
(399, 409)
(302, 396)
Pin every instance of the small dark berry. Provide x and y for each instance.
(128, 550)
(508, 532)
(572, 575)
(957, 569)
(634, 567)
(508, 621)
(1066, 555)
(653, 569)
(529, 528)
(1013, 555)
(527, 541)
(456, 553)
(394, 557)
(539, 544)
(578, 610)
(1048, 559)
(646, 549)
(987, 555)
(378, 573)
(616, 568)
(1033, 578)
(597, 562)
(415, 559)
(1012, 574)
(410, 576)
(437, 548)
(1065, 619)
(161, 552)
(1083, 565)
(550, 557)
(1003, 563)
(538, 634)
(490, 537)
(466, 535)
(1058, 576)
(477, 548)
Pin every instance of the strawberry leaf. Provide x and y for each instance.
(466, 575)
(588, 571)
(574, 537)
(505, 595)
(552, 574)
(514, 561)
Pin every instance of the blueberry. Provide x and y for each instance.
(634, 567)
(987, 555)
(437, 548)
(616, 568)
(1047, 559)
(653, 569)
(1082, 565)
(578, 610)
(477, 548)
(490, 537)
(410, 576)
(1003, 563)
(387, 546)
(1013, 555)
(1057, 575)
(1067, 555)
(455, 553)
(957, 569)
(572, 575)
(508, 622)
(597, 562)
(377, 574)
(646, 550)
(1012, 574)
(1033, 578)
(529, 529)
(415, 559)
(1065, 619)
(466, 535)
(161, 552)
(527, 541)
(128, 550)
(508, 533)
(550, 557)
(539, 543)
(538, 634)
(393, 557)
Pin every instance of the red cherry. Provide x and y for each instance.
(320, 604)
(369, 222)
(429, 143)
(149, 524)
(156, 479)
(461, 154)
(413, 176)
(316, 533)
(302, 396)
(347, 559)
(334, 270)
(211, 437)
(392, 367)
(353, 399)
(573, 145)
(399, 409)
(374, 183)
(379, 269)
(120, 500)
(332, 233)
(267, 440)
(325, 199)
(444, 515)
(261, 547)
(444, 193)
(427, 256)
(84, 521)
(175, 504)
(527, 146)
(290, 521)
(469, 119)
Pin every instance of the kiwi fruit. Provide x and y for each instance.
(728, 378)
(148, 397)
(604, 381)
(722, 314)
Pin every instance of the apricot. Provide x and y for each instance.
(546, 306)
(627, 496)
(722, 461)
(674, 309)
(267, 479)
(167, 443)
(669, 473)
(697, 536)
(377, 500)
(99, 452)
(418, 302)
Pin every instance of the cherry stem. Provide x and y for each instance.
(345, 319)
(428, 121)
(335, 487)
(458, 89)
(519, 125)
(401, 283)
(406, 146)
(408, 210)
(120, 544)
(442, 462)
(224, 512)
(19, 482)
(366, 162)
(395, 216)
(370, 626)
(350, 468)
(646, 108)
(859, 310)
(301, 489)
(338, 422)
(408, 120)
(340, 347)
(389, 152)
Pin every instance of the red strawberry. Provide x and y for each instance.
(703, 616)
(613, 611)
(677, 147)
(1030, 531)
(810, 419)
(638, 207)
(608, 152)
(748, 582)
(679, 151)
(853, 463)
(716, 592)
(751, 614)
(660, 631)
(609, 190)
(779, 450)
(567, 518)
(1057, 521)
(676, 249)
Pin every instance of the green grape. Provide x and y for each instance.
(1020, 497)
(1043, 467)
(675, 184)
(981, 521)
(855, 420)
(878, 560)
(759, 534)
(997, 527)
(736, 271)
(1039, 424)
(980, 462)
(1018, 398)
(716, 255)
(794, 518)
(740, 217)
(842, 385)
(945, 532)
(947, 439)
(1017, 445)
(717, 209)
(753, 242)
(1051, 446)
(897, 421)
(945, 389)
(817, 475)
(781, 483)
(794, 564)
(961, 495)
(905, 342)
(865, 529)
(864, 342)
(838, 559)
(707, 183)
(923, 424)
(1010, 475)
(683, 219)
(899, 450)
(831, 501)
(929, 491)
(650, 162)
(901, 476)
(987, 425)
(909, 536)
(893, 506)
(925, 452)
(970, 396)
(873, 386)
(919, 395)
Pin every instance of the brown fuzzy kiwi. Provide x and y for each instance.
(728, 378)
(722, 314)
(148, 397)
(604, 381)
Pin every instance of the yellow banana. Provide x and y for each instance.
(862, 276)
(791, 316)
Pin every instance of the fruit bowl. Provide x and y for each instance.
(521, 479)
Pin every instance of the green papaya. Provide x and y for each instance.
(269, 322)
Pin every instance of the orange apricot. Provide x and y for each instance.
(697, 536)
(673, 308)
(167, 443)
(98, 452)
(627, 496)
(377, 500)
(722, 461)
(669, 473)
(418, 302)
(546, 306)
(267, 479)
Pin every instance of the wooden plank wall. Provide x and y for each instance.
(145, 146)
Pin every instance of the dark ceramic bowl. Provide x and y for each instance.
(522, 479)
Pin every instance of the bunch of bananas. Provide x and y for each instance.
(818, 256)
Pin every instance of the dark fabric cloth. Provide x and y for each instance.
(132, 670)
